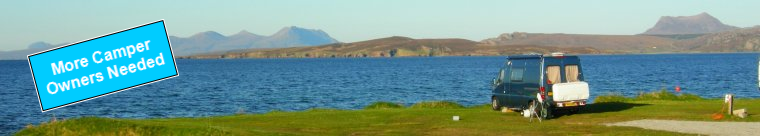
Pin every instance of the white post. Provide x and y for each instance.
(730, 102)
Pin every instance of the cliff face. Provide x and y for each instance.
(698, 24)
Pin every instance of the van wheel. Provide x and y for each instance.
(495, 104)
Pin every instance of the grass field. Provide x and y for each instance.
(428, 118)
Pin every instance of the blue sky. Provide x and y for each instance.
(25, 22)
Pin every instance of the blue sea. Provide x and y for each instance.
(226, 86)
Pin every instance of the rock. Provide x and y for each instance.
(742, 113)
(505, 110)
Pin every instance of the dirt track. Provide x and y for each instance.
(696, 127)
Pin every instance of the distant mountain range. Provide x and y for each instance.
(698, 24)
(210, 41)
(32, 48)
(698, 33)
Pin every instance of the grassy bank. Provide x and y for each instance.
(427, 118)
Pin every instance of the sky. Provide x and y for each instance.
(26, 22)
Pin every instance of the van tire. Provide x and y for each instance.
(495, 104)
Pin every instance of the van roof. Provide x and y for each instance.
(537, 56)
(523, 56)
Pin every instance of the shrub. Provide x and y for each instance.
(665, 95)
(654, 95)
(384, 105)
(611, 98)
(322, 110)
(437, 104)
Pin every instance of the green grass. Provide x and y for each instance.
(106, 126)
(426, 118)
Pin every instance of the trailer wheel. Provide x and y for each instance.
(539, 108)
(495, 104)
(545, 112)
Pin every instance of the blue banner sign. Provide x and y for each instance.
(102, 65)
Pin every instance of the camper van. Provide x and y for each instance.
(538, 85)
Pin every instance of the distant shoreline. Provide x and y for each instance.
(604, 54)
(663, 53)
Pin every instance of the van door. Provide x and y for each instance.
(516, 78)
(503, 84)
(531, 78)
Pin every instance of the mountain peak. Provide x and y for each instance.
(697, 24)
(396, 38)
(208, 35)
(295, 29)
(304, 36)
(40, 45)
(704, 14)
(245, 33)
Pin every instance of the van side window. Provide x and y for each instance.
(517, 74)
(552, 75)
(571, 73)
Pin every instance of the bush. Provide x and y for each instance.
(384, 105)
(438, 105)
(322, 110)
(611, 98)
(665, 95)
(654, 95)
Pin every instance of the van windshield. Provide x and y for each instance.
(552, 74)
(571, 73)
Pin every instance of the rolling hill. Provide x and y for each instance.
(703, 23)
(618, 43)
(739, 40)
(398, 46)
